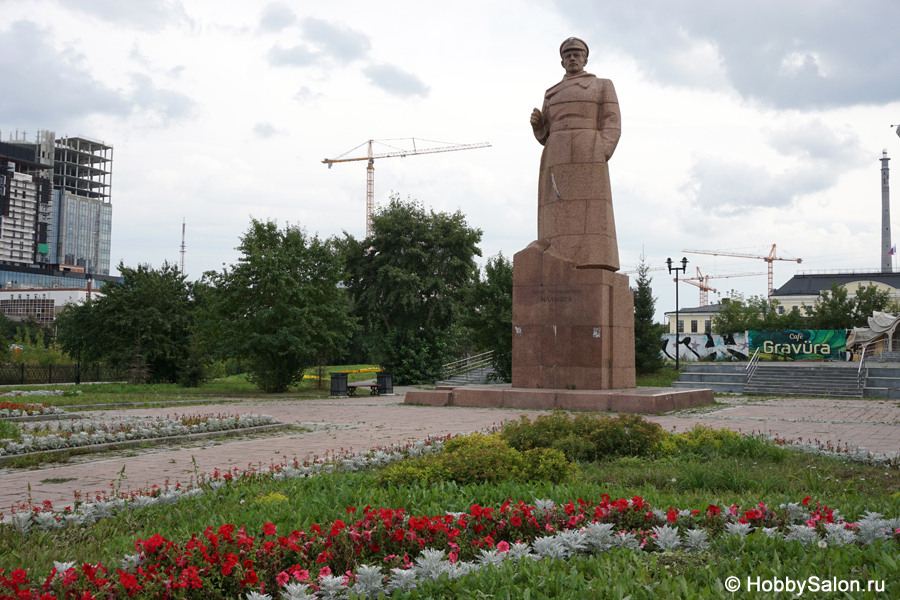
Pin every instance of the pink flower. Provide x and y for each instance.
(453, 557)
(326, 570)
(282, 578)
(503, 547)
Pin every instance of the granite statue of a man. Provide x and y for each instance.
(579, 127)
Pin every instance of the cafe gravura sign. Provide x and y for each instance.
(800, 344)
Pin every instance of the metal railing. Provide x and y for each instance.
(751, 366)
(22, 374)
(467, 365)
(862, 373)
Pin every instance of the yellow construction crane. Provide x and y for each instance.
(769, 259)
(702, 282)
(371, 156)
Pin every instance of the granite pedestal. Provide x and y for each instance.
(573, 328)
(634, 400)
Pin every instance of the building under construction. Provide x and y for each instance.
(55, 211)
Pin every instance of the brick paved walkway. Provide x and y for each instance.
(363, 423)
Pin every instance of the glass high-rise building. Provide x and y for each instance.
(55, 209)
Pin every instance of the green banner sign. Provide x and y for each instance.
(800, 344)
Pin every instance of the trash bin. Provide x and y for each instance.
(386, 381)
(338, 384)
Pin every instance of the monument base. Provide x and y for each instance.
(572, 328)
(634, 400)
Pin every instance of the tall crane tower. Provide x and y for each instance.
(770, 258)
(182, 244)
(371, 156)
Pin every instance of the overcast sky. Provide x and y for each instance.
(744, 124)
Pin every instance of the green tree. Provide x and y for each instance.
(834, 310)
(407, 282)
(279, 308)
(867, 302)
(488, 313)
(647, 333)
(738, 315)
(146, 317)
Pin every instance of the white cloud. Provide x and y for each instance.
(395, 80)
(276, 16)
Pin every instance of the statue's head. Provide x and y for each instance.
(574, 54)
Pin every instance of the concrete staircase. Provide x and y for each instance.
(477, 376)
(833, 381)
(718, 377)
(883, 382)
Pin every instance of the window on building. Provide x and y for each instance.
(693, 326)
(680, 326)
(707, 326)
(780, 310)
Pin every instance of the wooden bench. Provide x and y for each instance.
(374, 388)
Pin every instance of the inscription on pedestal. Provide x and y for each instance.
(555, 295)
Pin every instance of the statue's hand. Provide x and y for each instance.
(536, 118)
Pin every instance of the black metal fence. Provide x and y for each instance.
(22, 374)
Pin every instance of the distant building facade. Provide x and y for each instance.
(55, 212)
(43, 304)
(805, 289)
(693, 320)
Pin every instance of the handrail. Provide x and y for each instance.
(861, 373)
(467, 364)
(751, 366)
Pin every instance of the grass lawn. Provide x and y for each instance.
(743, 473)
(235, 386)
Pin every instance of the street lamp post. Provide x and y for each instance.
(683, 269)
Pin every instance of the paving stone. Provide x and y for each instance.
(359, 424)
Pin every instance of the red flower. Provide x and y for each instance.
(672, 515)
(806, 501)
(268, 529)
(515, 522)
(19, 577)
(337, 527)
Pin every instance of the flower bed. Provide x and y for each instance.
(20, 409)
(28, 517)
(85, 433)
(848, 452)
(384, 549)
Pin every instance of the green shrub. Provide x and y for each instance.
(478, 457)
(705, 441)
(421, 471)
(626, 435)
(586, 436)
(547, 464)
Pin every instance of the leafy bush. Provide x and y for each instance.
(547, 464)
(478, 458)
(586, 436)
(421, 471)
(705, 441)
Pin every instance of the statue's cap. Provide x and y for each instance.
(573, 43)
